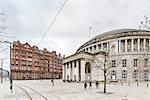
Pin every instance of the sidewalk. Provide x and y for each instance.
(74, 91)
(5, 93)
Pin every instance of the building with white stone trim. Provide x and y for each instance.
(128, 53)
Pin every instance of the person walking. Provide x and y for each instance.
(52, 82)
(90, 85)
(85, 85)
(97, 84)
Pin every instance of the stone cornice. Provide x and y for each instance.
(114, 35)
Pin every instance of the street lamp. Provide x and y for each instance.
(11, 78)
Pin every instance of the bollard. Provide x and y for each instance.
(129, 84)
(121, 83)
(124, 98)
(137, 84)
(147, 85)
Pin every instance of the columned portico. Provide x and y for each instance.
(75, 67)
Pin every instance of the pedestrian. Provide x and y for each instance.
(97, 84)
(90, 85)
(52, 82)
(85, 85)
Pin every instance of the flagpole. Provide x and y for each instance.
(90, 32)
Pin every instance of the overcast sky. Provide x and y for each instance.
(27, 20)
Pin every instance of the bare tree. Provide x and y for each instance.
(104, 62)
(145, 24)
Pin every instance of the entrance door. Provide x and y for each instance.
(87, 71)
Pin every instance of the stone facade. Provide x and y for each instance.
(128, 57)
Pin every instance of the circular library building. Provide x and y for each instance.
(123, 54)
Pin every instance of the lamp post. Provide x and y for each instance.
(53, 75)
(11, 78)
(90, 31)
(52, 72)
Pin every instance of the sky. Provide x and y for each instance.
(27, 21)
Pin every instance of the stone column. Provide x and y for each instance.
(119, 44)
(138, 44)
(96, 48)
(126, 45)
(108, 46)
(102, 47)
(82, 70)
(63, 72)
(77, 70)
(73, 70)
(149, 45)
(149, 76)
(132, 45)
(144, 44)
(69, 71)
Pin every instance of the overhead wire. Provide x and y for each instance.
(4, 49)
(51, 24)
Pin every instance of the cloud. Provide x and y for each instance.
(27, 20)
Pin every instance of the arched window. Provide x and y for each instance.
(87, 68)
(124, 74)
(146, 72)
(113, 74)
(135, 74)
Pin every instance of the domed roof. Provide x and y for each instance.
(110, 33)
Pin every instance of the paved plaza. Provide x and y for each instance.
(73, 91)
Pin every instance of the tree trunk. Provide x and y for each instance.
(104, 81)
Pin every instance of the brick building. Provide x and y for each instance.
(28, 62)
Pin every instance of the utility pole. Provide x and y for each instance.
(2, 59)
(90, 32)
(1, 70)
(11, 77)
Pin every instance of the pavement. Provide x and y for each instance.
(5, 93)
(74, 91)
